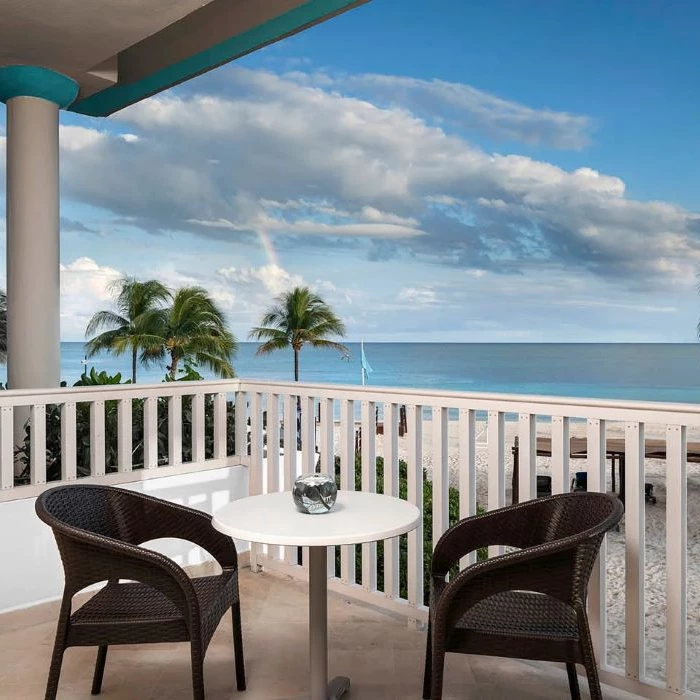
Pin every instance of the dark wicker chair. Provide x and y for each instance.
(98, 530)
(527, 604)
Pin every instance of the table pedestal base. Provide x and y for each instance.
(338, 687)
(321, 689)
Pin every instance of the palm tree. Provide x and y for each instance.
(127, 329)
(299, 317)
(192, 329)
(3, 327)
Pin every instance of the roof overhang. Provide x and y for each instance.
(122, 51)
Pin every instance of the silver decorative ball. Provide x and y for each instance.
(314, 493)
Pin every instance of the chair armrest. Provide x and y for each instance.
(513, 526)
(89, 559)
(166, 519)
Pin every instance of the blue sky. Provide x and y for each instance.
(504, 171)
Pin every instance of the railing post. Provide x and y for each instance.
(97, 438)
(467, 472)
(347, 481)
(69, 467)
(496, 467)
(7, 444)
(369, 483)
(634, 551)
(676, 557)
(391, 488)
(124, 435)
(415, 496)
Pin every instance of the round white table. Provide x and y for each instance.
(356, 517)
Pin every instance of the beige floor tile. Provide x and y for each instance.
(381, 654)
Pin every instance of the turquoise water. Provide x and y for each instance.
(652, 372)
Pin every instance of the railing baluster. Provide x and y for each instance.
(441, 478)
(69, 468)
(347, 480)
(97, 438)
(7, 451)
(414, 420)
(496, 467)
(527, 457)
(255, 470)
(676, 557)
(290, 459)
(561, 451)
(467, 472)
(198, 428)
(391, 488)
(272, 433)
(597, 607)
(326, 437)
(241, 425)
(124, 435)
(220, 427)
(37, 451)
(256, 445)
(150, 433)
(272, 451)
(327, 455)
(369, 484)
(308, 435)
(175, 430)
(634, 550)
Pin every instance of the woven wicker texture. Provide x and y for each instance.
(98, 530)
(529, 603)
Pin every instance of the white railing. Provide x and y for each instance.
(115, 434)
(458, 445)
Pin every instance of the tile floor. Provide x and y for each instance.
(382, 656)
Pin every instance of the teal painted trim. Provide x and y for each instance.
(117, 97)
(32, 81)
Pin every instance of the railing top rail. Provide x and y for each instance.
(685, 414)
(23, 397)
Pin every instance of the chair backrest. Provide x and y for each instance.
(582, 519)
(99, 510)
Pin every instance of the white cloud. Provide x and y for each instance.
(418, 296)
(273, 278)
(310, 163)
(84, 291)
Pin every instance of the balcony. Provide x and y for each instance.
(206, 443)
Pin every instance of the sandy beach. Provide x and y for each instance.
(655, 575)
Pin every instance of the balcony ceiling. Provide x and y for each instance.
(120, 51)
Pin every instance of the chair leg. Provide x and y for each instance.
(197, 671)
(437, 668)
(427, 673)
(58, 648)
(588, 654)
(99, 670)
(238, 645)
(573, 682)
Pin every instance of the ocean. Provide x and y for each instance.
(649, 372)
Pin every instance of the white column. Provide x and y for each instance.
(33, 286)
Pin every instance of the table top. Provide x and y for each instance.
(356, 517)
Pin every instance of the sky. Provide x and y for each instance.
(504, 171)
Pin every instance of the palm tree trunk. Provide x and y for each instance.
(173, 365)
(296, 365)
(133, 365)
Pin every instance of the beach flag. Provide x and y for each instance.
(366, 367)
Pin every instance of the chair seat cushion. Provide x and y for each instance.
(140, 610)
(521, 614)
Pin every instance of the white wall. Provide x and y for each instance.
(30, 567)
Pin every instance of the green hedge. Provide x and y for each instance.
(403, 540)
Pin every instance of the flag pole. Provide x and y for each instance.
(362, 365)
